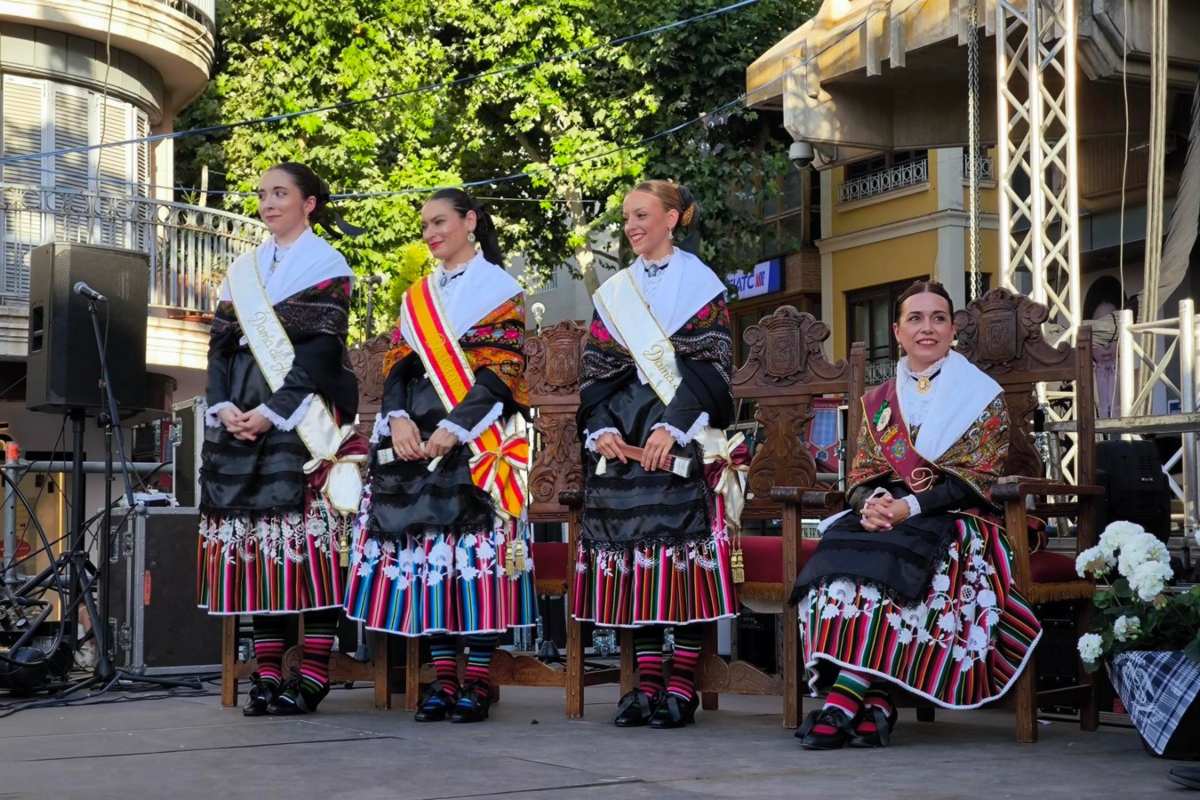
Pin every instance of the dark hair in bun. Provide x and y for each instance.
(485, 227)
(310, 184)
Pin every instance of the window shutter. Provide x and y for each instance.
(71, 173)
(21, 223)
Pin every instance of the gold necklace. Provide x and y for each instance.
(923, 384)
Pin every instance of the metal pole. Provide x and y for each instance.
(11, 457)
(78, 550)
(1037, 172)
(1125, 364)
(1187, 403)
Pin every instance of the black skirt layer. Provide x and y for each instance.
(266, 475)
(901, 562)
(628, 505)
(406, 498)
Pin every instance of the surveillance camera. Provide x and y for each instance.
(801, 153)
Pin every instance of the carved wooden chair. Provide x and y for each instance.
(1001, 333)
(365, 361)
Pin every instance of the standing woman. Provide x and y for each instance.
(442, 550)
(655, 547)
(270, 533)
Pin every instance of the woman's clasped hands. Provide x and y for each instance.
(244, 425)
(406, 441)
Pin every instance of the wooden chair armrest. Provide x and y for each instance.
(813, 499)
(1015, 487)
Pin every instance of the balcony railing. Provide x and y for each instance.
(189, 247)
(987, 171)
(889, 179)
(203, 10)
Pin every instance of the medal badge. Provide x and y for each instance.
(883, 417)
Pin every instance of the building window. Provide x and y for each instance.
(788, 212)
(869, 317)
(72, 196)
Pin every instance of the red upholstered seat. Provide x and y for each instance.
(551, 567)
(764, 557)
(1049, 567)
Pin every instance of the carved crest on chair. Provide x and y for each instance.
(785, 349)
(366, 360)
(1002, 331)
(553, 359)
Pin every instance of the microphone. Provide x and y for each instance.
(83, 290)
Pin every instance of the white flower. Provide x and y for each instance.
(392, 572)
(941, 583)
(389, 547)
(842, 591)
(1092, 562)
(404, 559)
(433, 577)
(948, 622)
(986, 598)
(923, 635)
(364, 570)
(850, 612)
(1114, 536)
(460, 557)
(914, 616)
(893, 619)
(905, 636)
(870, 594)
(960, 653)
(485, 549)
(371, 550)
(1140, 549)
(829, 611)
(418, 555)
(977, 639)
(1090, 647)
(1127, 628)
(468, 573)
(403, 582)
(1148, 580)
(441, 555)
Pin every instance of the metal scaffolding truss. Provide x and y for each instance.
(1038, 167)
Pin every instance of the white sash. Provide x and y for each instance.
(274, 354)
(621, 301)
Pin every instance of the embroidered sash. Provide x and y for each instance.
(335, 456)
(501, 454)
(622, 302)
(881, 409)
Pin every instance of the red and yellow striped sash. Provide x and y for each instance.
(499, 461)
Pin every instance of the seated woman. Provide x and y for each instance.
(912, 586)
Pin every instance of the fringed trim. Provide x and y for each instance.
(292, 421)
(645, 554)
(468, 558)
(463, 435)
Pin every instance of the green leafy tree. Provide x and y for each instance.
(565, 123)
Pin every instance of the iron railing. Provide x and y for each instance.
(189, 247)
(882, 181)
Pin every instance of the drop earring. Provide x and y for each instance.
(471, 237)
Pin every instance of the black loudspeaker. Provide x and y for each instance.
(1135, 486)
(63, 368)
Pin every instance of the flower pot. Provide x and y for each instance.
(1161, 691)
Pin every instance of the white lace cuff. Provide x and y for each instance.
(210, 417)
(291, 422)
(463, 435)
(914, 506)
(590, 441)
(383, 425)
(683, 439)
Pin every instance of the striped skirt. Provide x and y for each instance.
(443, 583)
(654, 584)
(269, 563)
(962, 647)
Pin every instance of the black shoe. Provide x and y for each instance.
(835, 718)
(437, 701)
(295, 700)
(1186, 776)
(672, 711)
(262, 694)
(884, 724)
(473, 703)
(634, 709)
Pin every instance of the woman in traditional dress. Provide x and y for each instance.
(655, 548)
(269, 537)
(443, 551)
(912, 586)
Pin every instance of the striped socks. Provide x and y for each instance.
(319, 629)
(268, 648)
(874, 698)
(846, 696)
(479, 659)
(443, 652)
(683, 666)
(647, 646)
